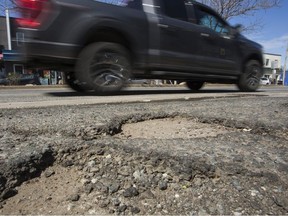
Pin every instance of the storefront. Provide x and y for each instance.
(12, 62)
(2, 71)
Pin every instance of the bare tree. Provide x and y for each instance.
(7, 4)
(241, 8)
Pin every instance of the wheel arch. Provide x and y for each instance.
(108, 34)
(249, 79)
(254, 56)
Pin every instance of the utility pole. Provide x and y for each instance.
(8, 25)
(8, 28)
(285, 64)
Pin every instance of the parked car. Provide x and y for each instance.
(20, 79)
(3, 81)
(265, 81)
(26, 79)
(101, 44)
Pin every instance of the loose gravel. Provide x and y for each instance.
(212, 156)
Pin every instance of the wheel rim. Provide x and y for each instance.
(253, 76)
(108, 70)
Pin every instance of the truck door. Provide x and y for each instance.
(179, 38)
(218, 47)
(151, 8)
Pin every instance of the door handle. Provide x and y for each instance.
(205, 35)
(163, 26)
(168, 27)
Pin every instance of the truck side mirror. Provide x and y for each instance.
(236, 29)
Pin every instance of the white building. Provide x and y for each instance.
(272, 66)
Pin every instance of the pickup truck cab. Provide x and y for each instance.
(101, 44)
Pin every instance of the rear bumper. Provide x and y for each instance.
(48, 54)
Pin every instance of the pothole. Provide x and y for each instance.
(172, 128)
(46, 194)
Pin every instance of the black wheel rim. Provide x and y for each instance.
(253, 76)
(108, 70)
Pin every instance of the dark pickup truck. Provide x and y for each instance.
(101, 44)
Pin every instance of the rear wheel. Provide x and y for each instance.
(249, 81)
(195, 86)
(103, 67)
(73, 83)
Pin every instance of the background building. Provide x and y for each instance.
(10, 60)
(272, 67)
(3, 33)
(3, 43)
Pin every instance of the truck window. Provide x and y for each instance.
(175, 9)
(135, 4)
(209, 20)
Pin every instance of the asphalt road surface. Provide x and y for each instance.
(39, 96)
(160, 150)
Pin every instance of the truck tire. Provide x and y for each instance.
(103, 67)
(73, 83)
(249, 80)
(195, 86)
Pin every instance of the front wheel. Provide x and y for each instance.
(195, 86)
(249, 80)
(103, 67)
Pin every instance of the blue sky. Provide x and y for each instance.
(274, 34)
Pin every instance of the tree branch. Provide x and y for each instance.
(234, 8)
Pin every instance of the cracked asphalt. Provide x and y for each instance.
(241, 169)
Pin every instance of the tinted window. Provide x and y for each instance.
(18, 68)
(19, 38)
(175, 9)
(211, 21)
(135, 4)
